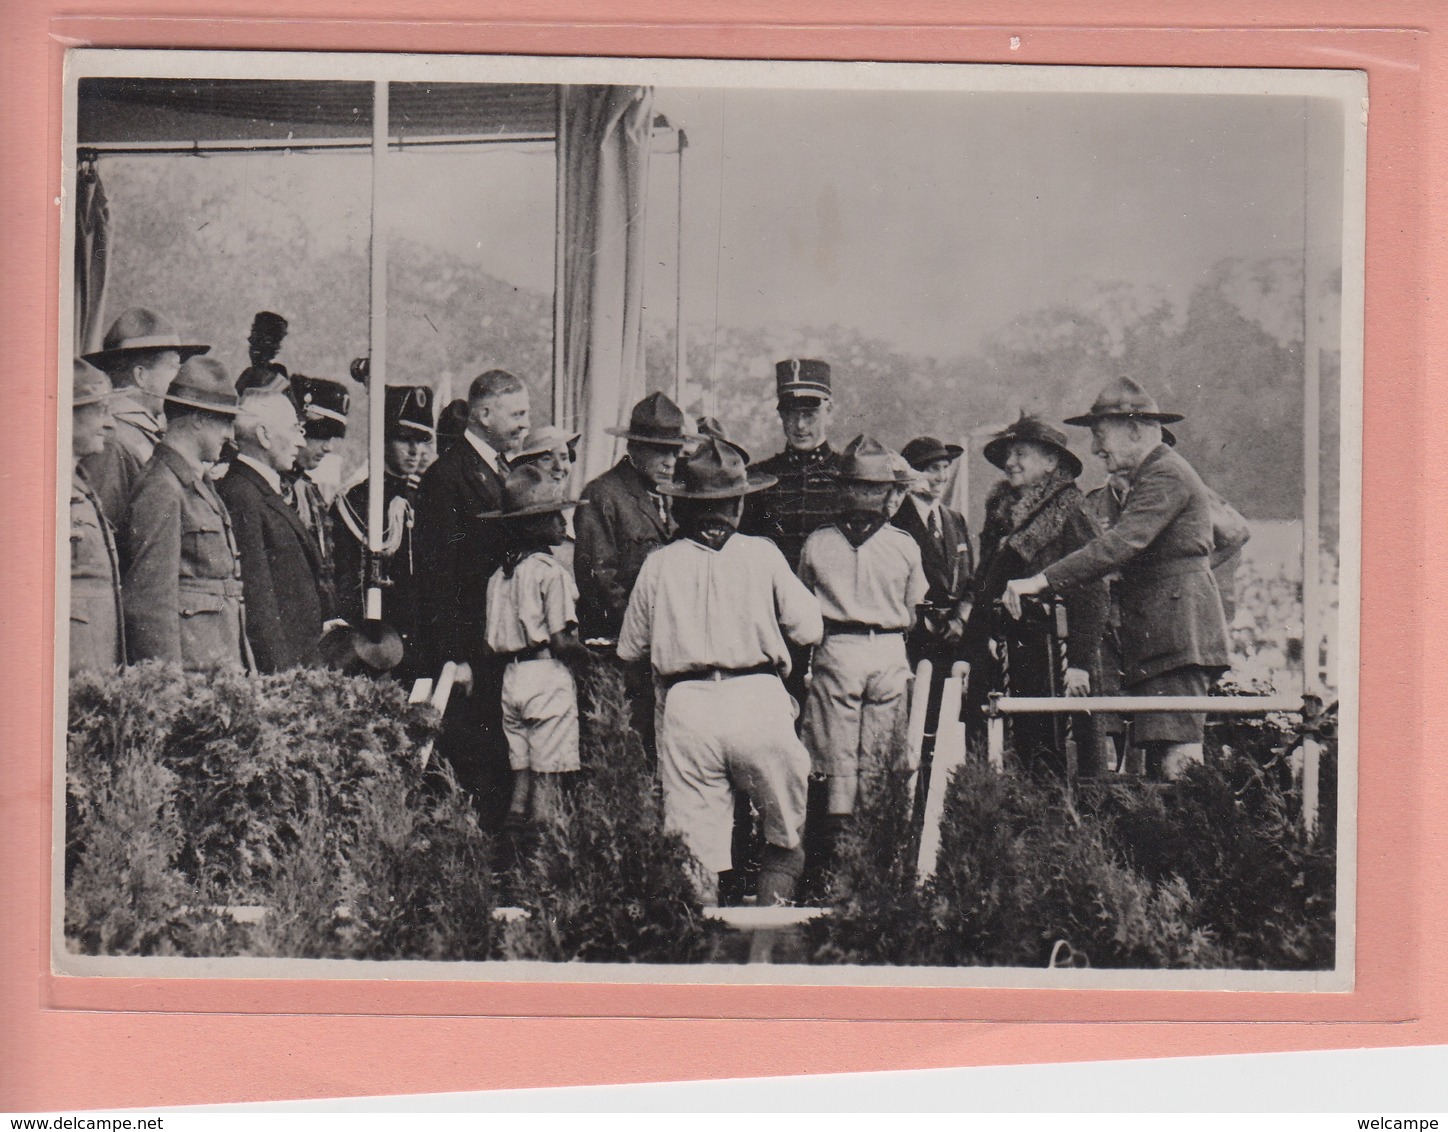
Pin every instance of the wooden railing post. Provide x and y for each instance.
(1311, 757)
(995, 734)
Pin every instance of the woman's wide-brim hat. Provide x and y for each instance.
(203, 383)
(656, 420)
(1032, 430)
(529, 490)
(866, 460)
(543, 440)
(138, 332)
(716, 469)
(1124, 397)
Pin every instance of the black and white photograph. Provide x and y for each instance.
(648, 520)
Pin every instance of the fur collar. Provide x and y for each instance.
(1035, 515)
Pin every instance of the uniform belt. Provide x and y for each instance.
(532, 652)
(219, 587)
(858, 629)
(1170, 568)
(718, 674)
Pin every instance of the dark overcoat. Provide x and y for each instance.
(456, 554)
(617, 528)
(1161, 547)
(97, 634)
(183, 585)
(281, 570)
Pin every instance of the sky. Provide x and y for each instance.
(930, 220)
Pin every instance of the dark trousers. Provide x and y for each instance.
(473, 743)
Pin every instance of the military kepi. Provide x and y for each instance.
(1124, 397)
(204, 384)
(409, 410)
(803, 379)
(323, 404)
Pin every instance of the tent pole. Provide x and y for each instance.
(377, 352)
(560, 219)
(1311, 423)
(681, 345)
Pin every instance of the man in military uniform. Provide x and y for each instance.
(408, 436)
(807, 471)
(1173, 634)
(141, 353)
(97, 635)
(183, 584)
(323, 405)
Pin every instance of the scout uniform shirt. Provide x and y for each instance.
(540, 703)
(183, 584)
(97, 639)
(855, 716)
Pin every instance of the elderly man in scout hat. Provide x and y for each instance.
(456, 554)
(408, 434)
(1173, 634)
(715, 613)
(626, 519)
(868, 577)
(803, 497)
(183, 585)
(281, 564)
(533, 629)
(141, 353)
(1035, 516)
(97, 623)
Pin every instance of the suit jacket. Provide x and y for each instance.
(183, 587)
(97, 636)
(280, 568)
(617, 529)
(1161, 547)
(456, 554)
(948, 560)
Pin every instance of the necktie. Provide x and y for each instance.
(661, 507)
(934, 526)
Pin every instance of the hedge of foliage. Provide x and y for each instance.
(297, 795)
(1213, 871)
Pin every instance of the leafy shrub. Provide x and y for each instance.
(1019, 869)
(606, 882)
(300, 793)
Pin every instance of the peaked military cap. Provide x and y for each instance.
(409, 409)
(324, 405)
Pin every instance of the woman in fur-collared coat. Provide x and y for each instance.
(1034, 517)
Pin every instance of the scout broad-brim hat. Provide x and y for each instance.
(802, 380)
(543, 440)
(140, 331)
(203, 383)
(710, 426)
(716, 469)
(1032, 430)
(529, 490)
(91, 385)
(1124, 397)
(923, 451)
(407, 411)
(323, 404)
(866, 460)
(656, 420)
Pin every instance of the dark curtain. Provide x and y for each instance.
(92, 254)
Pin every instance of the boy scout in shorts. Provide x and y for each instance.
(532, 624)
(868, 577)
